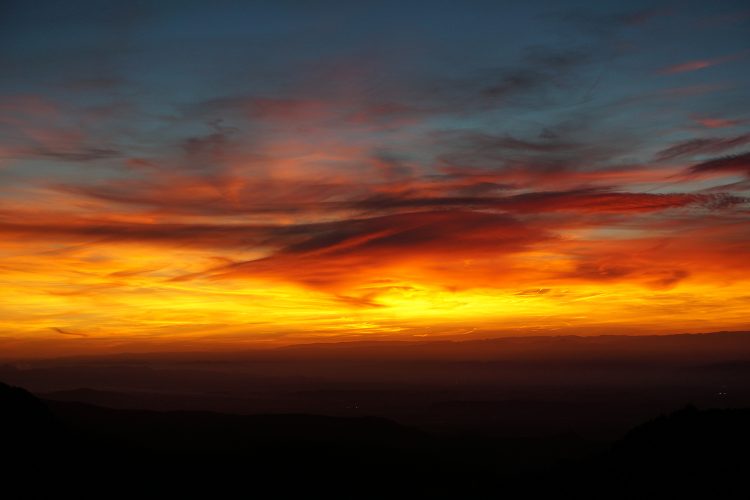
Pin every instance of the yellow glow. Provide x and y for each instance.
(93, 298)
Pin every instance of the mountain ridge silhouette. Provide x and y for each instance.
(208, 452)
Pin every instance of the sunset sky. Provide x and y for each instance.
(185, 175)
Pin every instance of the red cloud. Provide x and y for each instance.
(689, 66)
(717, 122)
(699, 64)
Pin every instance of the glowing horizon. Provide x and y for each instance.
(360, 191)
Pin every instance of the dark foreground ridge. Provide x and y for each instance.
(84, 447)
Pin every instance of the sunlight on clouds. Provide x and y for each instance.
(464, 178)
(130, 292)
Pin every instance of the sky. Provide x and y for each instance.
(194, 174)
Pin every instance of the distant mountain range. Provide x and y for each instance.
(638, 348)
(595, 387)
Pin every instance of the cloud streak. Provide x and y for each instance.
(699, 64)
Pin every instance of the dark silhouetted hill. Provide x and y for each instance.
(690, 453)
(55, 446)
(697, 443)
(208, 431)
(27, 426)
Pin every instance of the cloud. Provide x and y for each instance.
(698, 64)
(91, 231)
(536, 79)
(74, 154)
(709, 122)
(361, 251)
(420, 236)
(622, 268)
(483, 142)
(702, 146)
(581, 201)
(220, 194)
(739, 163)
(209, 153)
(398, 190)
(688, 66)
(35, 127)
(62, 331)
(599, 201)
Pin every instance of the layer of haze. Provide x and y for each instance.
(194, 175)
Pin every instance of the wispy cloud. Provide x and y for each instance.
(699, 64)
